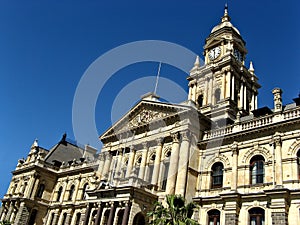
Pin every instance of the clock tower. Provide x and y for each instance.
(223, 88)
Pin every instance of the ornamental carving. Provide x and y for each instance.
(145, 117)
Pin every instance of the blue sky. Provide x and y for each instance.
(46, 46)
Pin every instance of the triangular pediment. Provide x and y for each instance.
(143, 113)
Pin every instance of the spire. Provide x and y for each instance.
(251, 68)
(226, 17)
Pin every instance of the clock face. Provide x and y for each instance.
(238, 55)
(214, 53)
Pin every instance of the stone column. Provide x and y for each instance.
(194, 92)
(234, 172)
(101, 157)
(99, 214)
(126, 213)
(227, 84)
(30, 186)
(68, 219)
(245, 97)
(55, 218)
(210, 91)
(130, 162)
(190, 91)
(173, 169)
(111, 214)
(144, 161)
(107, 163)
(119, 162)
(206, 92)
(232, 88)
(278, 160)
(157, 161)
(87, 214)
(10, 208)
(241, 105)
(183, 163)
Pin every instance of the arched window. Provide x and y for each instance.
(59, 193)
(213, 217)
(77, 221)
(257, 216)
(85, 186)
(200, 100)
(40, 191)
(139, 219)
(257, 170)
(217, 175)
(71, 192)
(298, 163)
(217, 95)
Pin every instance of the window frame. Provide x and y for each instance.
(217, 173)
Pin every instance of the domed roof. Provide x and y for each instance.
(225, 22)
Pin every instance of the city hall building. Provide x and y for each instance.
(238, 162)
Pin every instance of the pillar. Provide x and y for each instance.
(119, 163)
(183, 163)
(126, 213)
(170, 189)
(111, 214)
(99, 213)
(101, 157)
(241, 105)
(245, 97)
(206, 91)
(278, 160)
(107, 162)
(232, 88)
(157, 161)
(87, 213)
(234, 172)
(194, 92)
(68, 219)
(130, 162)
(227, 84)
(144, 161)
(55, 218)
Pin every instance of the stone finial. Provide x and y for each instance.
(226, 17)
(251, 68)
(277, 92)
(35, 143)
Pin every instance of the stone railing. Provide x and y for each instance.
(253, 123)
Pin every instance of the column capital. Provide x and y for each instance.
(145, 145)
(234, 147)
(175, 136)
(159, 141)
(101, 157)
(107, 155)
(185, 135)
(277, 139)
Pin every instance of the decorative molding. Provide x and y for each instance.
(260, 151)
